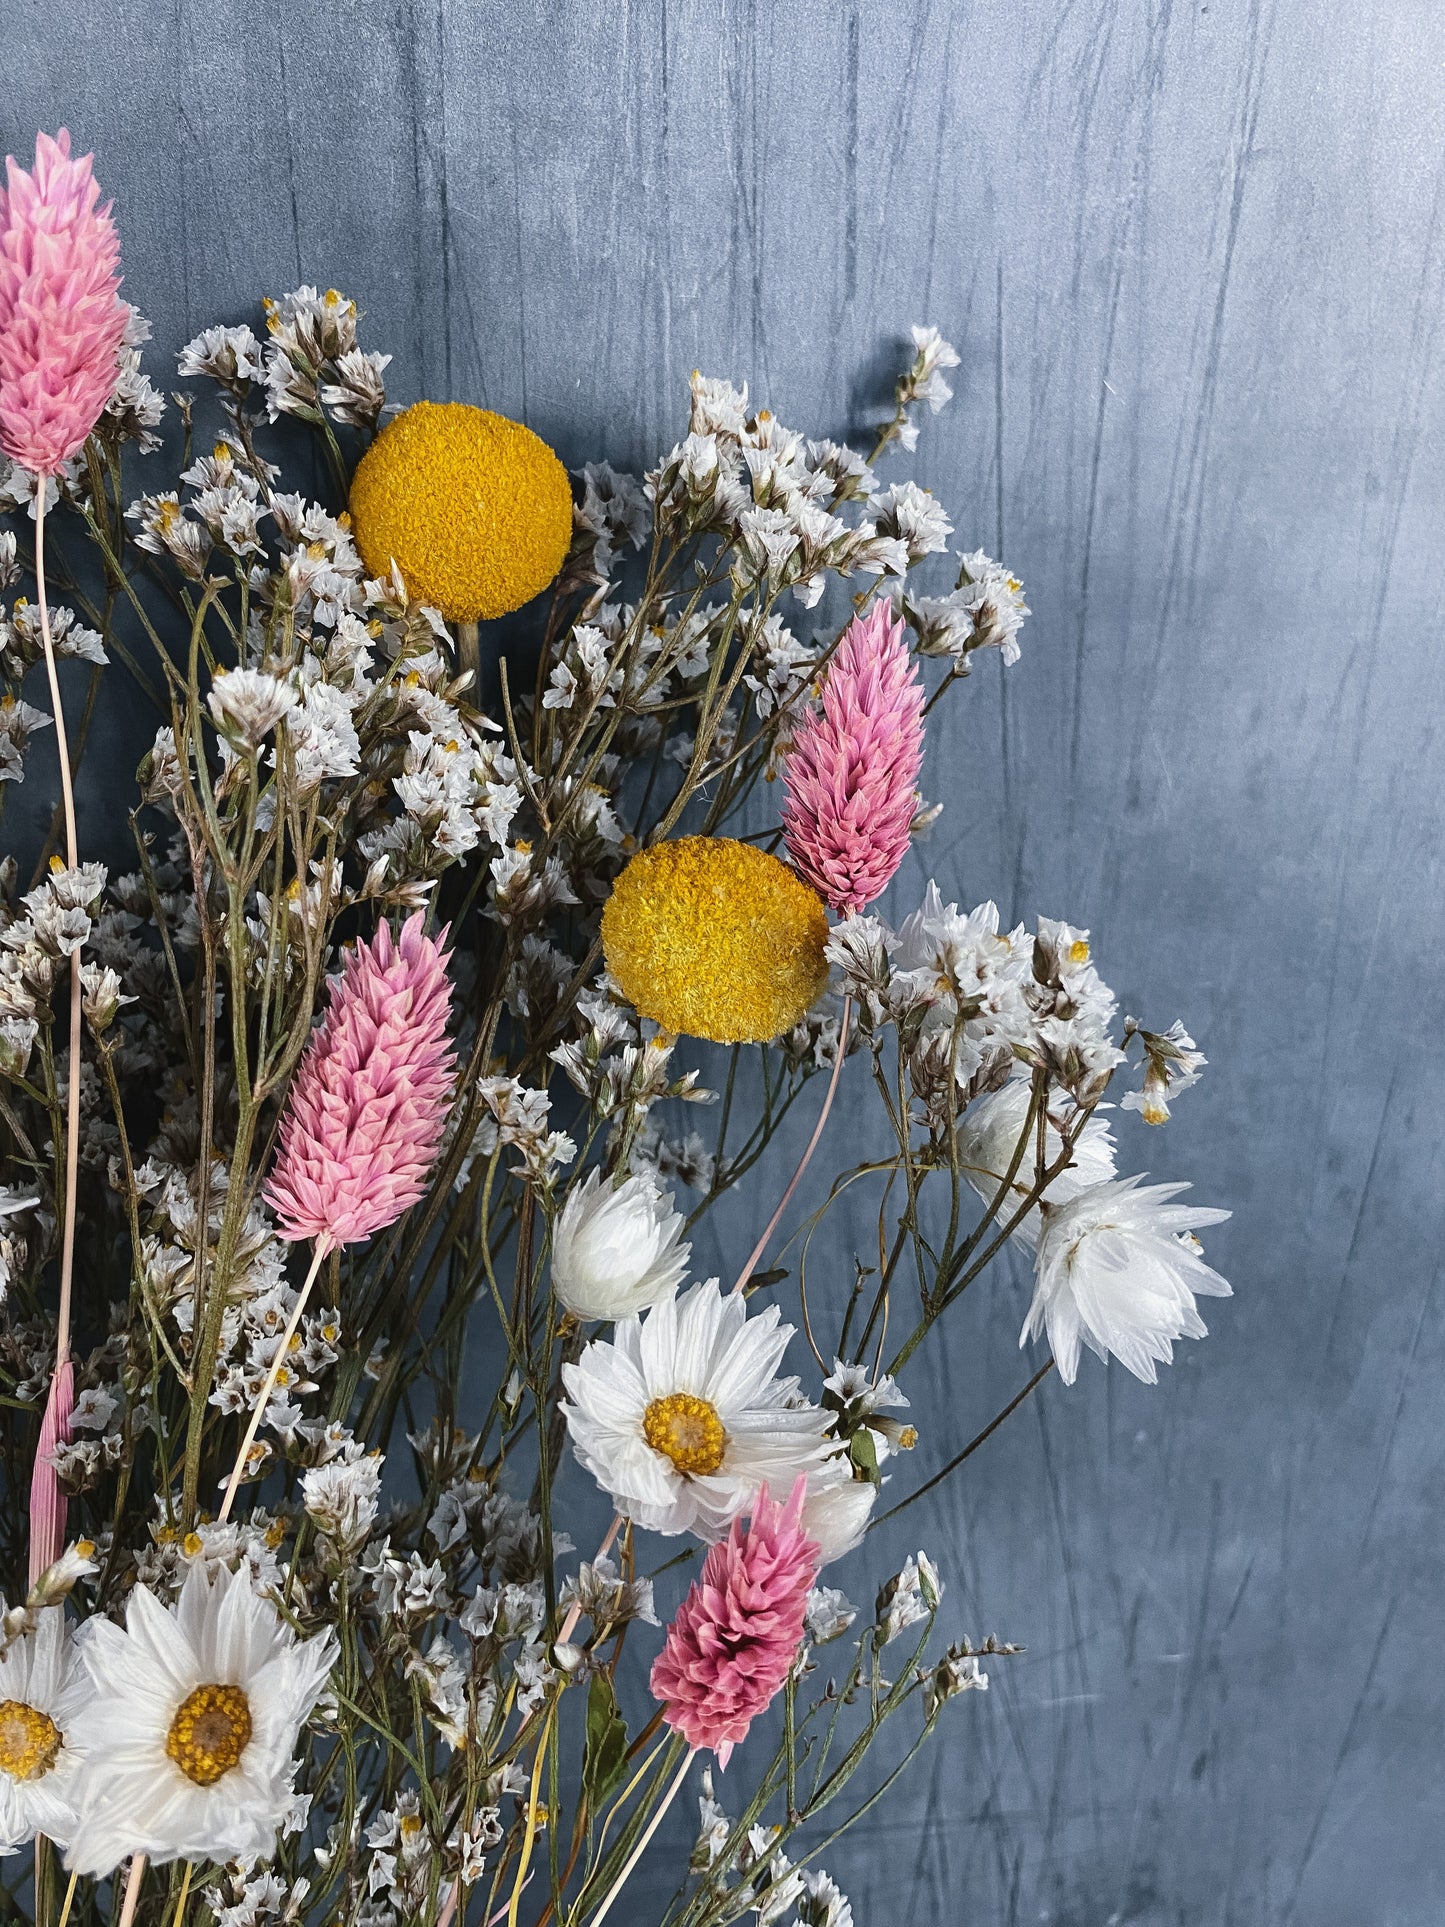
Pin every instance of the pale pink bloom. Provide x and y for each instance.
(47, 1500)
(366, 1112)
(850, 775)
(61, 318)
(736, 1635)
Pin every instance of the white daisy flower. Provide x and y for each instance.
(617, 1249)
(681, 1419)
(192, 1723)
(988, 1135)
(1117, 1270)
(43, 1694)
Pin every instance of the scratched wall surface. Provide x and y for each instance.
(1191, 254)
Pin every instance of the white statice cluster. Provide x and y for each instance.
(986, 610)
(1010, 1041)
(313, 362)
(39, 936)
(742, 476)
(260, 1300)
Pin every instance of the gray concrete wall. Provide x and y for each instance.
(1191, 254)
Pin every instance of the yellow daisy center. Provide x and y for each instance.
(475, 510)
(210, 1732)
(716, 938)
(686, 1430)
(29, 1740)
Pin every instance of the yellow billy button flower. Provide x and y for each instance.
(475, 510)
(717, 939)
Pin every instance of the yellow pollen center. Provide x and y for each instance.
(210, 1732)
(686, 1430)
(29, 1740)
(1078, 951)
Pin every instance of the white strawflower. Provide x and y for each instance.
(192, 1724)
(1118, 1269)
(837, 1509)
(988, 1135)
(617, 1249)
(681, 1417)
(43, 1697)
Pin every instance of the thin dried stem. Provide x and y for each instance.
(771, 1226)
(637, 1852)
(72, 858)
(259, 1409)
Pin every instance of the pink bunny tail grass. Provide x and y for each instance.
(849, 777)
(47, 1501)
(736, 1635)
(364, 1122)
(61, 319)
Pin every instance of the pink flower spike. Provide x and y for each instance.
(850, 774)
(365, 1117)
(61, 318)
(736, 1635)
(48, 1503)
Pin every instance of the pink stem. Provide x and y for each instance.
(132, 1889)
(47, 1501)
(762, 1244)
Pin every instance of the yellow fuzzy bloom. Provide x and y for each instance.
(475, 510)
(717, 939)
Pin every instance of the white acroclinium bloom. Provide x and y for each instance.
(1118, 1269)
(617, 1249)
(837, 1508)
(44, 1695)
(988, 1135)
(191, 1725)
(681, 1417)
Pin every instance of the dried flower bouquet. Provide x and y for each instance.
(298, 1630)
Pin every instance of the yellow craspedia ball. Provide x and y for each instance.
(717, 939)
(476, 510)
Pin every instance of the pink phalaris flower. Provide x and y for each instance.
(61, 319)
(851, 771)
(366, 1112)
(47, 1500)
(736, 1635)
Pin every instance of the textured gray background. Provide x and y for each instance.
(1191, 256)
